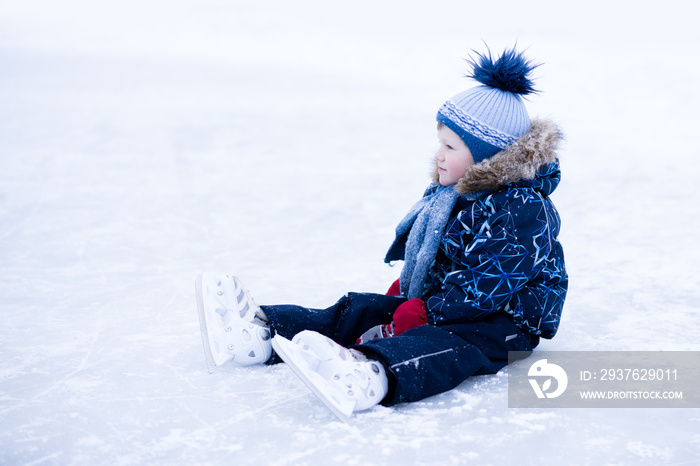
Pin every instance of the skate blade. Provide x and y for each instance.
(327, 393)
(203, 325)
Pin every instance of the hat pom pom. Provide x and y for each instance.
(509, 73)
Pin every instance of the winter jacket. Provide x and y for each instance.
(500, 250)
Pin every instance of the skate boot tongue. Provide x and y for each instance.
(233, 327)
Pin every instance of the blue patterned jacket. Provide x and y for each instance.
(500, 250)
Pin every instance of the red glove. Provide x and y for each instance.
(394, 289)
(409, 315)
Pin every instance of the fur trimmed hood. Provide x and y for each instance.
(520, 160)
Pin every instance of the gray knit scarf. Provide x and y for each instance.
(418, 238)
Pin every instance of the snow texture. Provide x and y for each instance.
(144, 141)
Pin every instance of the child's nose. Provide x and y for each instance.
(439, 156)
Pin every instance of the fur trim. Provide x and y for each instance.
(519, 160)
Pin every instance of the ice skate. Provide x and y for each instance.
(234, 328)
(344, 379)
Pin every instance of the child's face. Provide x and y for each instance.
(453, 157)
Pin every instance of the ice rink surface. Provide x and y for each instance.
(144, 142)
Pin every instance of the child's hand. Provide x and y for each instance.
(394, 289)
(408, 315)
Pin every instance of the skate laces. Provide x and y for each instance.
(347, 354)
(246, 305)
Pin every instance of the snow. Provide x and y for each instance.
(144, 142)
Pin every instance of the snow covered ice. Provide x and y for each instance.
(144, 142)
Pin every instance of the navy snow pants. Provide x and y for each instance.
(422, 361)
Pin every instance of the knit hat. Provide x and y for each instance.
(491, 116)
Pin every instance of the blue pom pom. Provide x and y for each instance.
(510, 72)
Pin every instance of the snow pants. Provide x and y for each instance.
(422, 361)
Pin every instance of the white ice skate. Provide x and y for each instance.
(233, 327)
(344, 379)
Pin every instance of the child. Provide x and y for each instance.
(483, 273)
